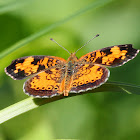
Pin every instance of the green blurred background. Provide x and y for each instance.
(107, 116)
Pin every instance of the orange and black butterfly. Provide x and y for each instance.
(52, 76)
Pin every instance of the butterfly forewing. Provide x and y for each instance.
(29, 65)
(111, 56)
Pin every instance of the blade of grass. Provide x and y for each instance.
(45, 30)
(32, 103)
(13, 5)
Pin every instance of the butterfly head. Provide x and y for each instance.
(73, 58)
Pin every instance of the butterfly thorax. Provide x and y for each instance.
(69, 71)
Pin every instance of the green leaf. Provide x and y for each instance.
(32, 103)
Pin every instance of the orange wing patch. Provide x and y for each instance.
(116, 53)
(45, 84)
(89, 77)
(27, 66)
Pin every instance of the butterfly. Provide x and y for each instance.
(52, 76)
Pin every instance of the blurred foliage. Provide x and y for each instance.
(103, 115)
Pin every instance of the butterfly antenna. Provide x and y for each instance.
(87, 42)
(60, 45)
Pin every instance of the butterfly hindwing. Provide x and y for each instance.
(89, 76)
(45, 84)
